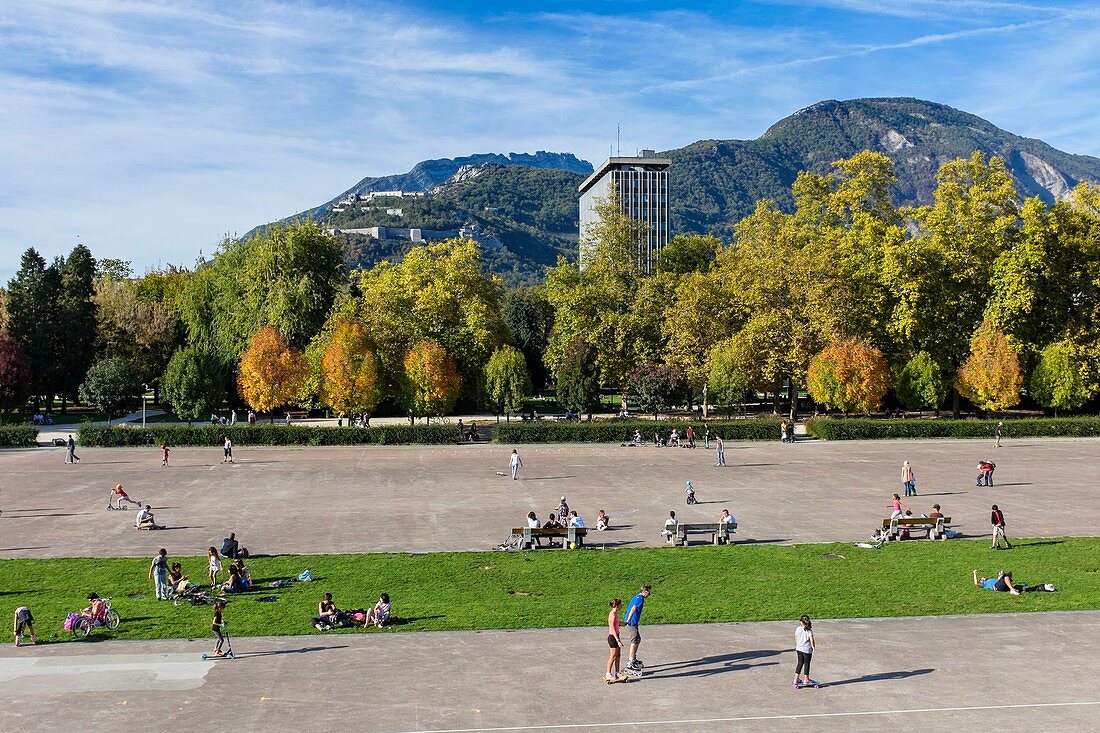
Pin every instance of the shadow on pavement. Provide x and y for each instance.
(879, 677)
(717, 664)
(303, 650)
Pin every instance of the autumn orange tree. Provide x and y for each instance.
(990, 377)
(848, 374)
(431, 380)
(349, 370)
(271, 373)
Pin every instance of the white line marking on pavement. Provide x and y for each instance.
(750, 718)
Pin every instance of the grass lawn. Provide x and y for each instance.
(487, 590)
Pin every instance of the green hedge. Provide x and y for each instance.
(18, 436)
(622, 432)
(243, 434)
(835, 428)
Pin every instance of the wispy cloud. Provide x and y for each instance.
(151, 128)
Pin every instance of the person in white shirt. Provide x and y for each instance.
(727, 518)
(804, 645)
(227, 450)
(516, 462)
(670, 525)
(144, 519)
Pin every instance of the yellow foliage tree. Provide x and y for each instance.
(349, 370)
(991, 377)
(848, 374)
(431, 380)
(271, 373)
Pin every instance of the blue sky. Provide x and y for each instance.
(148, 130)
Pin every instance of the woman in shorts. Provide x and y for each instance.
(614, 642)
(214, 567)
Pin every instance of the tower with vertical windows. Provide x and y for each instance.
(642, 186)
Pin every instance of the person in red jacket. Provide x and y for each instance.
(997, 519)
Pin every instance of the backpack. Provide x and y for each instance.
(305, 576)
(70, 621)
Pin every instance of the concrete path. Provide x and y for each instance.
(968, 673)
(300, 500)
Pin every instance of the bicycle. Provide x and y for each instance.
(83, 626)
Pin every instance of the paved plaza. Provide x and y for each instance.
(963, 673)
(418, 499)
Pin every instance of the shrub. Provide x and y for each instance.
(18, 436)
(623, 431)
(828, 428)
(245, 435)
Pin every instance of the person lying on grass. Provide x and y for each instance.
(1004, 584)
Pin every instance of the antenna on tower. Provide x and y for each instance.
(618, 140)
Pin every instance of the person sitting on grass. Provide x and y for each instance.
(327, 613)
(233, 584)
(144, 519)
(602, 521)
(380, 614)
(176, 579)
(1004, 584)
(243, 572)
(232, 549)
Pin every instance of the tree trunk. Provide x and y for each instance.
(775, 400)
(705, 406)
(794, 400)
(955, 403)
(64, 406)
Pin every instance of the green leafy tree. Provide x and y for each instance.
(530, 319)
(193, 384)
(689, 253)
(658, 387)
(144, 331)
(33, 320)
(727, 378)
(286, 278)
(438, 293)
(77, 327)
(577, 378)
(432, 381)
(110, 387)
(1056, 381)
(920, 383)
(506, 381)
(15, 376)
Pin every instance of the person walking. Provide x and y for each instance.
(158, 573)
(997, 433)
(70, 451)
(690, 434)
(719, 451)
(804, 645)
(706, 436)
(164, 451)
(997, 519)
(907, 481)
(614, 642)
(633, 620)
(233, 418)
(227, 450)
(516, 462)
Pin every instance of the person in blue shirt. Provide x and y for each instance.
(633, 620)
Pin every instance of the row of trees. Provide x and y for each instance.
(846, 296)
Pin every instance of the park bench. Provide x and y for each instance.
(570, 535)
(719, 531)
(936, 527)
(298, 414)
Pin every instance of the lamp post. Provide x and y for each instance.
(144, 394)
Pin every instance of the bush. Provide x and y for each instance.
(623, 432)
(18, 436)
(829, 428)
(244, 435)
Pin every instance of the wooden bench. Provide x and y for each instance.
(569, 535)
(719, 531)
(936, 527)
(297, 414)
